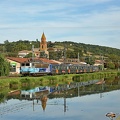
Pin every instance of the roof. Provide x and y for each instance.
(23, 60)
(18, 59)
(99, 61)
(24, 51)
(43, 36)
(45, 60)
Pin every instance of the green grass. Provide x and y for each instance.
(52, 80)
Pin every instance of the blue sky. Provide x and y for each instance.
(83, 21)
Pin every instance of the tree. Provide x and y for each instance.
(52, 55)
(29, 55)
(90, 60)
(4, 66)
(110, 65)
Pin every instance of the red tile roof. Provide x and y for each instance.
(17, 59)
(22, 60)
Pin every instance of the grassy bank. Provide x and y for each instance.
(22, 82)
(97, 75)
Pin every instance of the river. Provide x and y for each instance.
(66, 102)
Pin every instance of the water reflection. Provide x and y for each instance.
(59, 95)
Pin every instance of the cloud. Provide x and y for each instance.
(86, 21)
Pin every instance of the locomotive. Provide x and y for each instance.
(56, 69)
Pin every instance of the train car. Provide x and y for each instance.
(36, 69)
(73, 69)
(60, 69)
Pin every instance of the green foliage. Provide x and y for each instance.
(110, 65)
(76, 78)
(55, 55)
(118, 73)
(4, 66)
(2, 97)
(25, 80)
(28, 55)
(13, 84)
(90, 60)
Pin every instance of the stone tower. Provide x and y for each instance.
(43, 47)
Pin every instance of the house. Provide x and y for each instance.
(99, 62)
(23, 53)
(16, 63)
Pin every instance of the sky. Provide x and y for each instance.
(95, 22)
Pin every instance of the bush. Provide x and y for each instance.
(13, 84)
(25, 80)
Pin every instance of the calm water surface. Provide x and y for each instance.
(75, 104)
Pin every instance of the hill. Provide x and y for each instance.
(64, 49)
(85, 50)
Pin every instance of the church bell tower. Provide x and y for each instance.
(43, 47)
(43, 43)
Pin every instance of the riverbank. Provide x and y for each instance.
(18, 82)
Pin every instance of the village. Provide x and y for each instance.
(41, 54)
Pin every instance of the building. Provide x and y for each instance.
(23, 53)
(17, 62)
(99, 62)
(41, 52)
(43, 47)
(72, 61)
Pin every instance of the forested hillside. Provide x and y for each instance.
(70, 49)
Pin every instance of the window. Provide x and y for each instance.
(27, 64)
(12, 68)
(22, 64)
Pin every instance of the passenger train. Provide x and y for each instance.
(56, 69)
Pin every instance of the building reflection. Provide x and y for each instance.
(43, 100)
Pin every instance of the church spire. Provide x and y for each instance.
(43, 43)
(43, 37)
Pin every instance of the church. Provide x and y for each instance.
(43, 47)
(41, 52)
